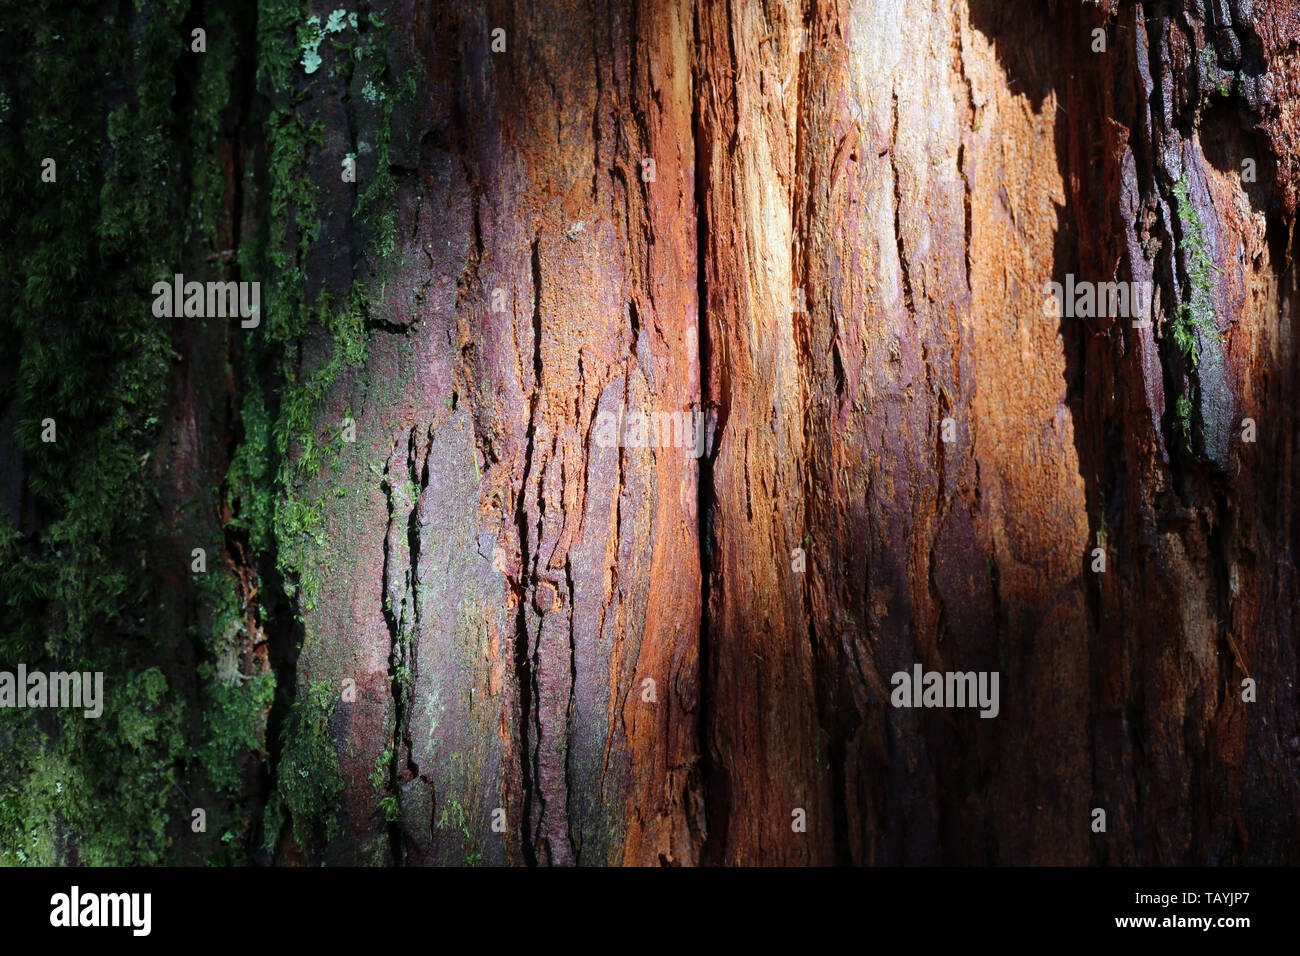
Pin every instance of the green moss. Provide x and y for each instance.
(275, 476)
(1195, 317)
(296, 512)
(1183, 415)
(276, 58)
(211, 93)
(453, 817)
(375, 205)
(379, 776)
(1210, 64)
(234, 725)
(1194, 321)
(309, 783)
(139, 180)
(250, 478)
(100, 792)
(81, 253)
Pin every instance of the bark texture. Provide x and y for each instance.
(921, 178)
(510, 583)
(451, 623)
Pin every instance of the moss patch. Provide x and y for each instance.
(1195, 317)
(131, 120)
(309, 783)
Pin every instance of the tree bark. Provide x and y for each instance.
(449, 621)
(511, 583)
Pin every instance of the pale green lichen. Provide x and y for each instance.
(309, 40)
(312, 33)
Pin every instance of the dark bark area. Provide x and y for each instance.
(1206, 590)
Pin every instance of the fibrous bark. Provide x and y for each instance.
(825, 231)
(510, 583)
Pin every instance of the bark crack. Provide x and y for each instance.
(405, 480)
(710, 821)
(903, 269)
(525, 648)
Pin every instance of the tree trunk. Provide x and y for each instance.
(503, 591)
(638, 390)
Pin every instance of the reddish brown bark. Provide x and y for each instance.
(916, 181)
(824, 230)
(936, 172)
(539, 578)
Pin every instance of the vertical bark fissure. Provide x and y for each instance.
(404, 484)
(903, 265)
(526, 665)
(574, 830)
(391, 618)
(418, 475)
(262, 651)
(704, 466)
